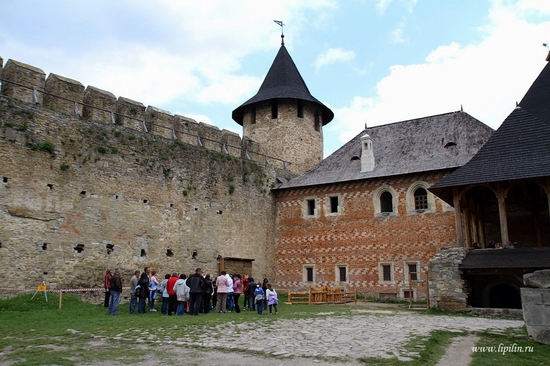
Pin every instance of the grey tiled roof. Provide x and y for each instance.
(519, 149)
(507, 258)
(445, 141)
(283, 80)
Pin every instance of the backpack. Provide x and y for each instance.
(137, 290)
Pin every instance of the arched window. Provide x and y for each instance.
(386, 202)
(420, 199)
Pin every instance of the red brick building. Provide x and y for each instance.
(364, 218)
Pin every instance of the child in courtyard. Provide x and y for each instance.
(272, 300)
(259, 296)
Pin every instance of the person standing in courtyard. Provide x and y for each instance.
(265, 281)
(237, 289)
(115, 288)
(172, 296)
(144, 293)
(259, 297)
(221, 284)
(154, 285)
(165, 296)
(133, 298)
(245, 288)
(107, 285)
(196, 286)
(229, 293)
(207, 295)
(182, 294)
(272, 299)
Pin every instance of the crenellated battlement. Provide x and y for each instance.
(65, 95)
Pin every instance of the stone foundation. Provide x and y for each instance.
(536, 305)
(447, 288)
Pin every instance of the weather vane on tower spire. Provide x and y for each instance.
(280, 22)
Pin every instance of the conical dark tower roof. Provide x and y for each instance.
(283, 81)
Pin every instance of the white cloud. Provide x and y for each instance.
(382, 5)
(396, 36)
(487, 78)
(333, 55)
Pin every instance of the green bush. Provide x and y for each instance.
(47, 146)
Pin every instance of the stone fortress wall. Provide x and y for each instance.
(90, 181)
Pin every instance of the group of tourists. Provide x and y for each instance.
(191, 294)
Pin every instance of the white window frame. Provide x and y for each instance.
(304, 273)
(305, 208)
(328, 205)
(337, 274)
(381, 273)
(376, 201)
(411, 205)
(406, 270)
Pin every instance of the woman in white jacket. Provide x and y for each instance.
(182, 293)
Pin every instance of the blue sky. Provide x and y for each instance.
(370, 61)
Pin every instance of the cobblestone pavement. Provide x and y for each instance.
(367, 333)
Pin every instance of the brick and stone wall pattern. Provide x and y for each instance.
(356, 237)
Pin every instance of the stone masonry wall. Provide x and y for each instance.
(78, 194)
(447, 288)
(28, 83)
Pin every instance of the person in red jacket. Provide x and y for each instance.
(172, 297)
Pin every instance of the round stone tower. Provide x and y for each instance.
(284, 118)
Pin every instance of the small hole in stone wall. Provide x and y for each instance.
(83, 193)
(5, 179)
(0, 244)
(79, 248)
(44, 246)
(145, 201)
(194, 255)
(171, 205)
(219, 212)
(169, 253)
(45, 273)
(50, 186)
(116, 197)
(196, 208)
(143, 254)
(110, 248)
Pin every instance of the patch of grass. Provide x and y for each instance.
(102, 149)
(8, 124)
(64, 166)
(514, 351)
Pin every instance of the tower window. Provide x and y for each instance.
(300, 110)
(317, 121)
(274, 109)
(253, 115)
(386, 204)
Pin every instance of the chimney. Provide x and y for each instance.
(367, 154)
